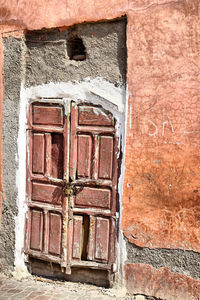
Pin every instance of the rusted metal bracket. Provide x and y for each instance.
(68, 191)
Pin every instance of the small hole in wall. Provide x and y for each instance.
(76, 49)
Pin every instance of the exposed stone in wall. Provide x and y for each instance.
(48, 61)
(176, 260)
(12, 83)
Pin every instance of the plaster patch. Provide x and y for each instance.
(98, 91)
(122, 252)
(20, 268)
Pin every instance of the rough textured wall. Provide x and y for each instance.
(47, 57)
(12, 83)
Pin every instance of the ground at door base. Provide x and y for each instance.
(39, 288)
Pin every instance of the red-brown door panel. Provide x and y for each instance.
(55, 233)
(105, 157)
(93, 170)
(77, 243)
(84, 156)
(38, 153)
(93, 197)
(47, 193)
(57, 159)
(46, 166)
(101, 244)
(36, 229)
(94, 116)
(47, 115)
(102, 239)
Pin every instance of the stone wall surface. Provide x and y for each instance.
(12, 83)
(161, 192)
(47, 58)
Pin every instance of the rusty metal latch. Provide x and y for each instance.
(68, 191)
(67, 188)
(71, 189)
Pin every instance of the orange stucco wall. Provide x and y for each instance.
(162, 166)
(161, 189)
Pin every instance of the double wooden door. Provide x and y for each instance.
(72, 185)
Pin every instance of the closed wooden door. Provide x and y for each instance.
(72, 185)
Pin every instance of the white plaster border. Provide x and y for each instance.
(97, 91)
(20, 267)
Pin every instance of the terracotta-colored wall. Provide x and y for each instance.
(162, 171)
(161, 189)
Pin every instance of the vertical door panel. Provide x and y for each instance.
(95, 162)
(106, 157)
(36, 228)
(84, 156)
(77, 237)
(48, 160)
(57, 156)
(38, 153)
(91, 241)
(55, 233)
(102, 239)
